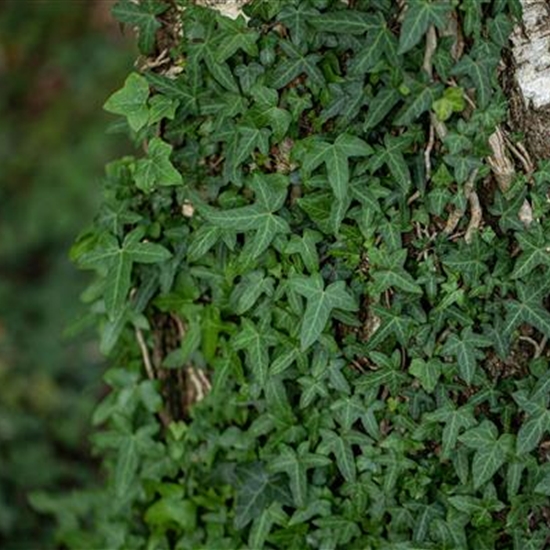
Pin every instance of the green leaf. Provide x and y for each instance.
(345, 460)
(452, 102)
(428, 372)
(380, 106)
(162, 107)
(202, 241)
(118, 283)
(143, 16)
(283, 361)
(491, 453)
(271, 192)
(255, 344)
(344, 22)
(297, 63)
(156, 169)
(190, 343)
(532, 431)
(419, 16)
(126, 465)
(526, 311)
(147, 253)
(466, 350)
(287, 462)
(336, 159)
(306, 248)
(167, 511)
(379, 42)
(392, 156)
(260, 529)
(116, 261)
(131, 101)
(543, 486)
(535, 252)
(255, 492)
(234, 35)
(420, 103)
(454, 420)
(320, 303)
(296, 19)
(249, 289)
(479, 70)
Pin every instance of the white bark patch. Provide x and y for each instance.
(229, 8)
(532, 53)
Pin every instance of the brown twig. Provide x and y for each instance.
(539, 346)
(428, 152)
(162, 414)
(431, 46)
(145, 354)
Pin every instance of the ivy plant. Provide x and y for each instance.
(327, 321)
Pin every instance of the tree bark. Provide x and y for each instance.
(530, 89)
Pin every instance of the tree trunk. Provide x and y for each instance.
(530, 92)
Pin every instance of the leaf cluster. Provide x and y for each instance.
(372, 380)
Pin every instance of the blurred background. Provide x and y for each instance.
(59, 61)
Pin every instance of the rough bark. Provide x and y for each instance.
(530, 97)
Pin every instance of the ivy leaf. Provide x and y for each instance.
(428, 372)
(379, 42)
(479, 67)
(466, 350)
(391, 155)
(490, 453)
(390, 272)
(320, 303)
(162, 107)
(176, 89)
(296, 62)
(535, 251)
(234, 35)
(266, 112)
(271, 192)
(380, 106)
(156, 169)
(526, 310)
(256, 490)
(127, 464)
(117, 261)
(202, 241)
(249, 289)
(344, 22)
(255, 344)
(532, 431)
(393, 322)
(131, 101)
(455, 420)
(143, 16)
(295, 466)
(296, 19)
(336, 159)
(421, 102)
(306, 247)
(345, 460)
(419, 16)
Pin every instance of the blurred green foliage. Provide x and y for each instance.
(58, 63)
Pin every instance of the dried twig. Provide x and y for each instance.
(428, 152)
(145, 354)
(476, 216)
(500, 162)
(475, 209)
(538, 346)
(431, 46)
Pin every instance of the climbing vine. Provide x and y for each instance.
(323, 283)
